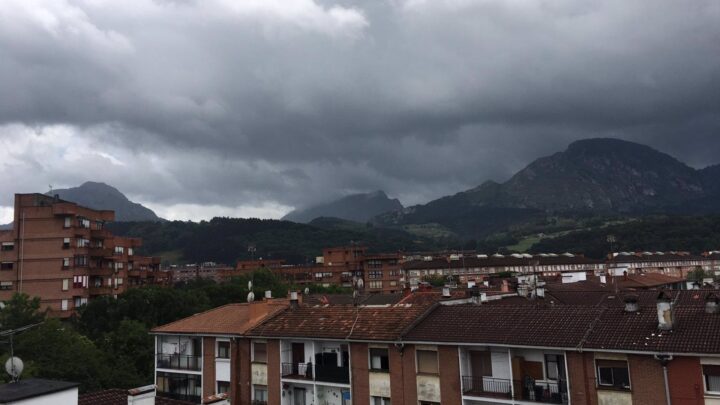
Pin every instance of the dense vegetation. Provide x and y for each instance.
(108, 345)
(664, 233)
(227, 239)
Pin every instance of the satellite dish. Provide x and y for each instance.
(251, 297)
(307, 291)
(14, 366)
(250, 285)
(2, 305)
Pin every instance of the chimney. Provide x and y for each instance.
(293, 299)
(540, 291)
(141, 395)
(471, 284)
(476, 297)
(664, 311)
(268, 295)
(603, 279)
(712, 303)
(631, 303)
(446, 292)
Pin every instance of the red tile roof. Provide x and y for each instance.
(341, 322)
(230, 319)
(119, 396)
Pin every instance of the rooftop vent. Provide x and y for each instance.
(631, 303)
(664, 311)
(712, 303)
(446, 292)
(268, 294)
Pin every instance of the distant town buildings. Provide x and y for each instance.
(61, 252)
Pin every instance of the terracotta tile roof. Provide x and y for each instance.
(119, 396)
(525, 325)
(646, 280)
(230, 319)
(347, 299)
(607, 326)
(341, 322)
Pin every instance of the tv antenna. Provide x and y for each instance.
(14, 366)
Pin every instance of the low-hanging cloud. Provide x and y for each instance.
(202, 108)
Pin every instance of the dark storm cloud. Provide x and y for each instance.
(222, 103)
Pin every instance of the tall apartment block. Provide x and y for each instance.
(61, 252)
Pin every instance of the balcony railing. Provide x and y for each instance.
(178, 362)
(258, 402)
(487, 387)
(332, 374)
(180, 397)
(525, 390)
(295, 370)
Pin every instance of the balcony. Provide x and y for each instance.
(332, 374)
(100, 290)
(297, 371)
(100, 234)
(178, 362)
(101, 252)
(258, 402)
(527, 390)
(195, 399)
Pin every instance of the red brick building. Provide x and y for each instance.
(61, 252)
(644, 348)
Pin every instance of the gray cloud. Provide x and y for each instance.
(275, 104)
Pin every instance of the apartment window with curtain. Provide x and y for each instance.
(711, 375)
(427, 362)
(260, 352)
(613, 373)
(380, 401)
(223, 387)
(260, 393)
(223, 349)
(379, 359)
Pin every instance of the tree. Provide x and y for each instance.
(20, 310)
(131, 350)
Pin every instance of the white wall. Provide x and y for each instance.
(67, 397)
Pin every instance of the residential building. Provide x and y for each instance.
(39, 391)
(206, 354)
(61, 252)
(644, 347)
(677, 264)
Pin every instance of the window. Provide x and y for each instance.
(6, 285)
(65, 284)
(379, 401)
(130, 251)
(260, 393)
(118, 265)
(711, 374)
(223, 387)
(259, 352)
(64, 305)
(81, 261)
(379, 359)
(6, 265)
(67, 222)
(375, 274)
(66, 262)
(427, 362)
(552, 366)
(613, 373)
(80, 301)
(83, 223)
(81, 243)
(7, 246)
(80, 281)
(66, 243)
(223, 349)
(119, 250)
(375, 284)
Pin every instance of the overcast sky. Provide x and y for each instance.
(253, 107)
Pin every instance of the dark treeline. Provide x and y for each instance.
(227, 239)
(107, 344)
(695, 234)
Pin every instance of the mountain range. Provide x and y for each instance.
(591, 177)
(355, 207)
(102, 196)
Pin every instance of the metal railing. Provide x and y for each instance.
(196, 399)
(301, 370)
(178, 362)
(487, 386)
(553, 392)
(332, 373)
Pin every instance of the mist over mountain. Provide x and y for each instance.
(105, 197)
(355, 207)
(591, 177)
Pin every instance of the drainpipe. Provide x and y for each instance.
(664, 360)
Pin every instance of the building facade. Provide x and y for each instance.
(61, 252)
